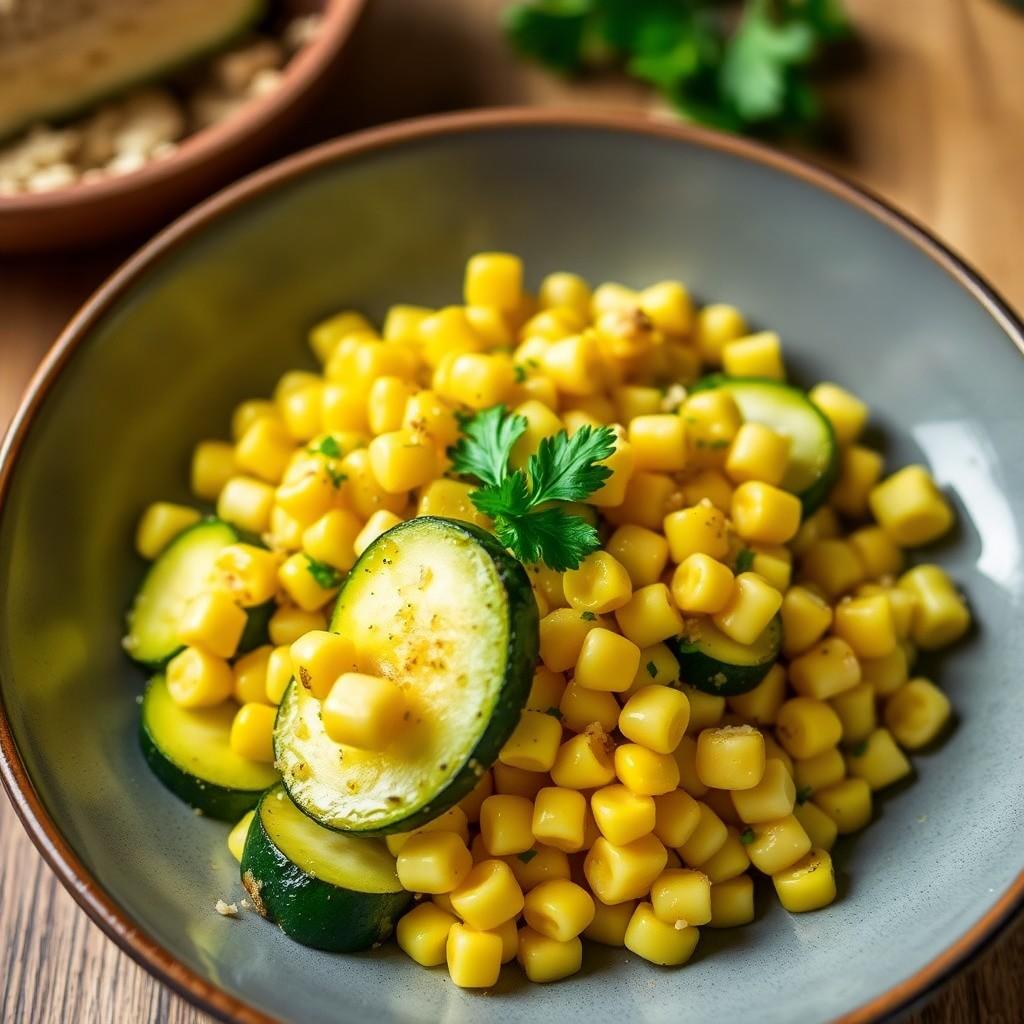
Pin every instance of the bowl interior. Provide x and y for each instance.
(222, 313)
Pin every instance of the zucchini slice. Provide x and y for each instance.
(324, 889)
(442, 608)
(813, 454)
(189, 752)
(178, 574)
(717, 664)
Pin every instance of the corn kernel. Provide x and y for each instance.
(757, 453)
(730, 861)
(197, 679)
(756, 355)
(247, 413)
(805, 617)
(401, 461)
(716, 326)
(709, 485)
(659, 442)
(878, 552)
(774, 563)
(940, 613)
(558, 909)
(246, 503)
(213, 465)
(833, 565)
(660, 943)
(806, 727)
(422, 934)
(606, 661)
(584, 761)
(297, 579)
(777, 845)
(213, 621)
(677, 816)
(574, 364)
(878, 761)
(252, 732)
(809, 884)
(494, 279)
(610, 923)
(866, 624)
(331, 539)
(433, 862)
(860, 469)
(820, 828)
(644, 771)
(250, 676)
(765, 514)
(643, 553)
(910, 508)
(565, 290)
(558, 818)
(706, 710)
(453, 820)
(847, 803)
(364, 492)
(600, 584)
(712, 420)
(681, 895)
(732, 903)
(247, 573)
(363, 711)
(820, 525)
(622, 815)
(160, 524)
(402, 322)
(760, 706)
(655, 717)
(474, 957)
(580, 706)
(856, 710)
(562, 634)
(658, 667)
(544, 959)
(730, 758)
(319, 658)
(916, 713)
(516, 782)
(279, 674)
(238, 835)
(616, 873)
(343, 407)
(773, 797)
(697, 530)
(646, 500)
(828, 668)
(669, 306)
(844, 411)
(650, 616)
(488, 896)
(265, 449)
(325, 336)
(506, 824)
(621, 463)
(820, 771)
(750, 608)
(534, 743)
(289, 622)
(632, 400)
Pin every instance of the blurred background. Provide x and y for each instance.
(117, 114)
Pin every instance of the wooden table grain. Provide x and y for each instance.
(931, 120)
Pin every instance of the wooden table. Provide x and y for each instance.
(932, 122)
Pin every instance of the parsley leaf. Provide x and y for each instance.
(328, 446)
(588, 616)
(337, 478)
(566, 468)
(860, 749)
(804, 794)
(744, 560)
(548, 535)
(527, 855)
(484, 449)
(554, 713)
(326, 576)
(652, 670)
(520, 372)
(747, 836)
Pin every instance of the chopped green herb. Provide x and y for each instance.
(588, 616)
(860, 749)
(744, 561)
(520, 371)
(326, 446)
(337, 478)
(527, 855)
(652, 670)
(747, 836)
(803, 794)
(554, 713)
(325, 575)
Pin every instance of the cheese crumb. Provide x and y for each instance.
(226, 909)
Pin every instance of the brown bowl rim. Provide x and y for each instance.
(44, 832)
(298, 75)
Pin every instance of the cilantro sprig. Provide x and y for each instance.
(525, 504)
(741, 67)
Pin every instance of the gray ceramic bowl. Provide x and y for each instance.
(215, 309)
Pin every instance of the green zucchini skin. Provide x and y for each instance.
(812, 495)
(699, 667)
(309, 910)
(225, 803)
(520, 658)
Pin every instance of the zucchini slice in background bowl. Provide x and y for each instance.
(325, 889)
(189, 752)
(717, 664)
(442, 608)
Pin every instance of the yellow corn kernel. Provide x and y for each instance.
(658, 667)
(621, 462)
(606, 661)
(706, 710)
(751, 606)
(679, 894)
(212, 621)
(809, 884)
(669, 306)
(331, 539)
(585, 761)
(709, 485)
(644, 771)
(658, 942)
(697, 530)
(544, 959)
(730, 861)
(289, 622)
(805, 617)
(940, 613)
(402, 322)
(429, 415)
(774, 563)
(343, 407)
(250, 676)
(491, 325)
(450, 498)
(285, 533)
(860, 469)
(248, 412)
(916, 713)
(160, 524)
(632, 400)
(866, 624)
(732, 903)
(879, 553)
(844, 411)
(364, 492)
(295, 380)
(910, 508)
(309, 495)
(562, 633)
(878, 760)
(516, 782)
(765, 514)
(806, 727)
(600, 584)
(820, 771)
(558, 818)
(565, 291)
(659, 442)
(213, 465)
(546, 690)
(319, 658)
(646, 500)
(712, 422)
(475, 379)
(252, 732)
(756, 355)
(470, 805)
(325, 336)
(363, 711)
(847, 803)
(777, 845)
(488, 896)
(239, 833)
(574, 364)
(757, 453)
(616, 873)
(539, 864)
(401, 461)
(302, 411)
(731, 757)
(720, 801)
(610, 923)
(655, 717)
(359, 360)
(385, 406)
(820, 828)
(622, 815)
(506, 824)
(716, 326)
(642, 552)
(580, 707)
(534, 743)
(760, 705)
(246, 503)
(610, 295)
(558, 909)
(453, 820)
(422, 934)
(474, 957)
(197, 679)
(650, 616)
(701, 584)
(551, 324)
(856, 710)
(446, 332)
(494, 279)
(297, 579)
(833, 565)
(265, 449)
(773, 797)
(541, 423)
(247, 573)
(677, 816)
(820, 525)
(378, 523)
(433, 862)
(279, 674)
(828, 668)
(686, 753)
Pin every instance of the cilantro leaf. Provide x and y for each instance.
(565, 468)
(652, 670)
(744, 560)
(747, 836)
(328, 446)
(337, 478)
(548, 535)
(511, 497)
(527, 855)
(484, 449)
(326, 576)
(588, 616)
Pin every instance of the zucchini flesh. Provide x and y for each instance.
(440, 607)
(325, 889)
(180, 572)
(717, 664)
(813, 454)
(189, 752)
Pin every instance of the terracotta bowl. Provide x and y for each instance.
(84, 214)
(217, 306)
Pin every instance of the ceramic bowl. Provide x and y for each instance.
(84, 214)
(216, 308)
